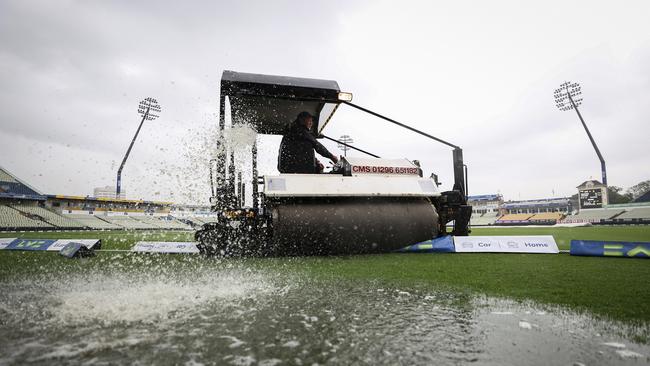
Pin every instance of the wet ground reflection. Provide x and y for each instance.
(230, 314)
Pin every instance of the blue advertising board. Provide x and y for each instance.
(596, 248)
(444, 244)
(30, 244)
(53, 245)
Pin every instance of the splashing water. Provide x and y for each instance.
(172, 310)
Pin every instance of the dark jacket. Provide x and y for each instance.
(297, 151)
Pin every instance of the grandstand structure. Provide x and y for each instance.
(22, 207)
(485, 209)
(618, 214)
(552, 211)
(560, 204)
(490, 209)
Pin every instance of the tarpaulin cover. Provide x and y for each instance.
(76, 250)
(444, 244)
(597, 248)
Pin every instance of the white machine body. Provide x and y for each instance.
(368, 178)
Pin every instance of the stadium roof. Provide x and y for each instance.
(547, 202)
(485, 197)
(12, 187)
(269, 103)
(590, 184)
(102, 199)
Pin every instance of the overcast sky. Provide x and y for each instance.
(479, 74)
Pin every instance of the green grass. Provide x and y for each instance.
(611, 287)
(616, 288)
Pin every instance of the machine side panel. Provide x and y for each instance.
(324, 185)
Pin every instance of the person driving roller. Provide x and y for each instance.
(296, 153)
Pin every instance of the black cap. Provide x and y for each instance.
(303, 115)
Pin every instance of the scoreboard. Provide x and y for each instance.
(591, 198)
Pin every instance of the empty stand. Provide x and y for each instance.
(129, 222)
(515, 217)
(636, 213)
(547, 217)
(161, 223)
(151, 221)
(50, 217)
(175, 224)
(593, 215)
(10, 218)
(487, 218)
(94, 222)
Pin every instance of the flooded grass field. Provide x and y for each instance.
(126, 308)
(119, 308)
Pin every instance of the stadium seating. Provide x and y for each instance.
(50, 217)
(592, 215)
(94, 222)
(196, 220)
(151, 221)
(522, 217)
(161, 223)
(547, 217)
(175, 224)
(639, 213)
(11, 218)
(129, 222)
(487, 218)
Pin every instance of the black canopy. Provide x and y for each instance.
(270, 103)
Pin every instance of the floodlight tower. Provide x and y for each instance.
(149, 109)
(345, 141)
(567, 97)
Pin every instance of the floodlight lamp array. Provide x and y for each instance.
(565, 93)
(345, 139)
(152, 106)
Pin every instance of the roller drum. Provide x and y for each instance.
(351, 225)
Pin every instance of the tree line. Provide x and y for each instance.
(619, 195)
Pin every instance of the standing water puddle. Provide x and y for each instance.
(220, 313)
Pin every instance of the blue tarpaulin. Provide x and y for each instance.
(597, 248)
(444, 244)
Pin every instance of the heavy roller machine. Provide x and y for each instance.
(364, 205)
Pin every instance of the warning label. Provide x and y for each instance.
(365, 169)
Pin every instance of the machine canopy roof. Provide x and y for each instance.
(270, 103)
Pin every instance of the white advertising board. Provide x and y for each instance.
(165, 247)
(506, 244)
(59, 244)
(5, 241)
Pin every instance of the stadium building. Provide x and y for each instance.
(108, 192)
(485, 208)
(547, 211)
(22, 207)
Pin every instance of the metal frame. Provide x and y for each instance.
(603, 169)
(151, 105)
(226, 181)
(576, 91)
